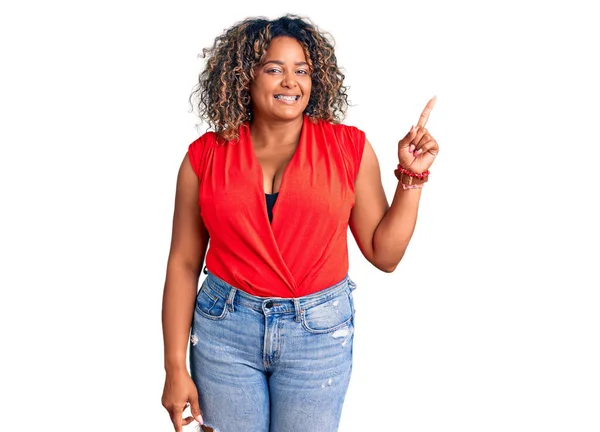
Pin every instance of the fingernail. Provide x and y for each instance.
(200, 420)
(412, 128)
(411, 148)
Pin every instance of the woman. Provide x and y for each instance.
(276, 185)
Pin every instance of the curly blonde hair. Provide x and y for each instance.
(222, 95)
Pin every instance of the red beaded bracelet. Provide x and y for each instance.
(413, 174)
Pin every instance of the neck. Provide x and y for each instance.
(267, 133)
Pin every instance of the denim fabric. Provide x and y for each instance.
(272, 364)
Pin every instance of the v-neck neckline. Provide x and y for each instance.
(260, 181)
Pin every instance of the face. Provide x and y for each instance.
(281, 86)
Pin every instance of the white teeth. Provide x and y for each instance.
(287, 98)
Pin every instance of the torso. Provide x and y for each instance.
(314, 174)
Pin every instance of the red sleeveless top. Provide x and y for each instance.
(304, 249)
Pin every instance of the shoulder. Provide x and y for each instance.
(344, 133)
(198, 149)
(351, 133)
(206, 139)
(349, 139)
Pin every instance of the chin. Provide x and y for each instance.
(286, 116)
(293, 116)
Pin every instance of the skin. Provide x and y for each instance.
(276, 125)
(189, 240)
(381, 231)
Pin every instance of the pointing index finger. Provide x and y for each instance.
(425, 114)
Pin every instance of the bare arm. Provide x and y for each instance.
(189, 241)
(382, 232)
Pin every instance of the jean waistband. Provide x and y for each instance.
(276, 304)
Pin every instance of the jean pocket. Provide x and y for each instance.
(329, 316)
(209, 304)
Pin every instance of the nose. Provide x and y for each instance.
(289, 80)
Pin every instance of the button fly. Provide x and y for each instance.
(269, 304)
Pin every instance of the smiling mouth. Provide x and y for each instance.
(287, 98)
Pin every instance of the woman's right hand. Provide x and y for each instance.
(179, 392)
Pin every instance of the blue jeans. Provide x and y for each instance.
(272, 364)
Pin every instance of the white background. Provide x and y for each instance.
(491, 321)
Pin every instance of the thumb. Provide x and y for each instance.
(195, 408)
(404, 142)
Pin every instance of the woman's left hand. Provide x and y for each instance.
(418, 149)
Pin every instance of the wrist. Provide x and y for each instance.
(175, 366)
(410, 179)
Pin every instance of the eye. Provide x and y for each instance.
(273, 70)
(302, 72)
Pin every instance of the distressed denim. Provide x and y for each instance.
(272, 364)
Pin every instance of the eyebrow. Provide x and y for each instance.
(279, 62)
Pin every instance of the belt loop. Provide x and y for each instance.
(351, 284)
(230, 298)
(297, 308)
